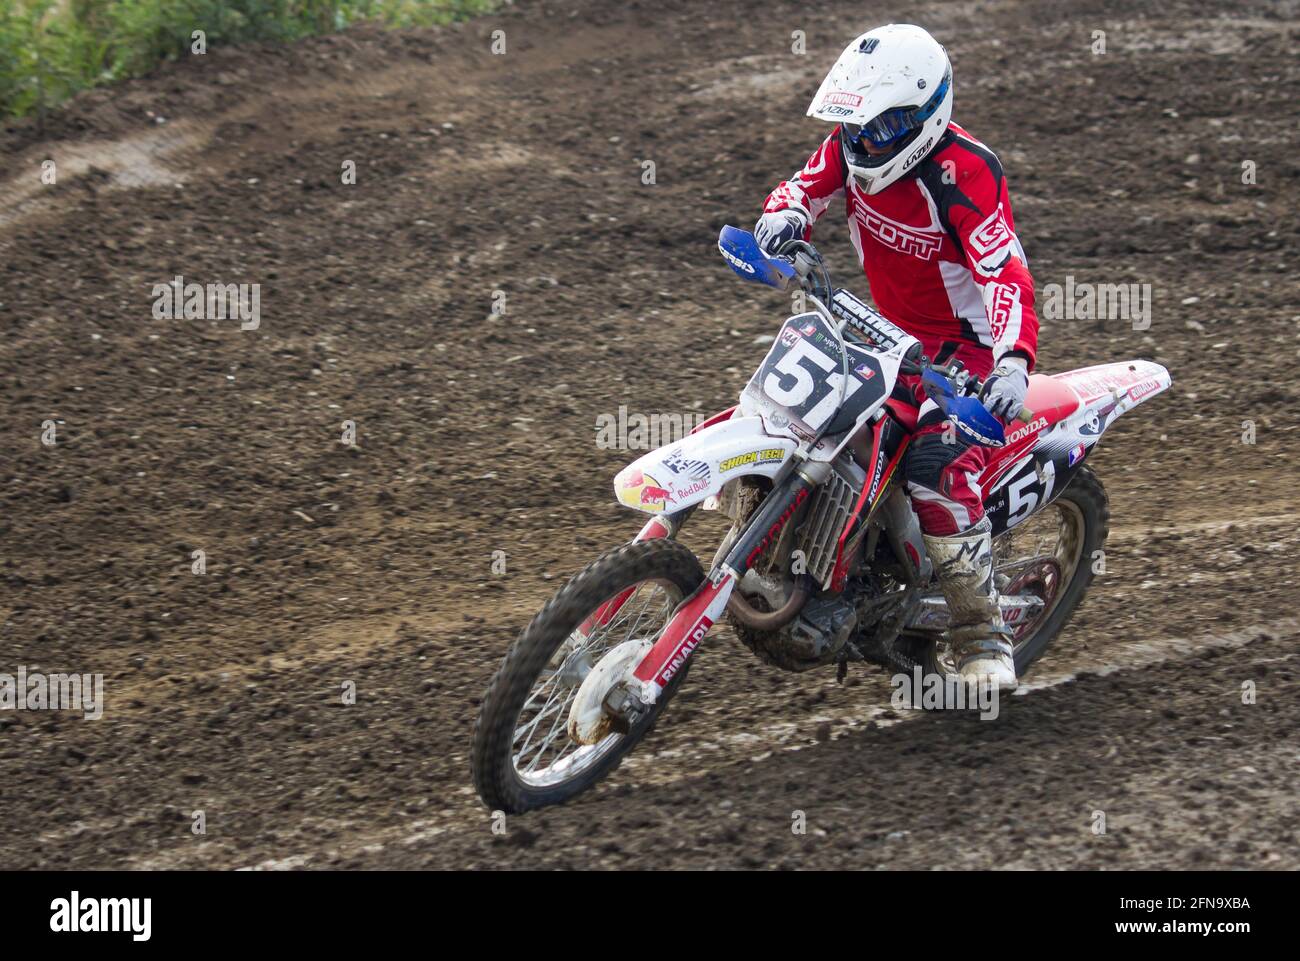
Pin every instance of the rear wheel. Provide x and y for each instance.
(1048, 556)
(523, 757)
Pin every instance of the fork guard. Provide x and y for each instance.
(699, 612)
(685, 473)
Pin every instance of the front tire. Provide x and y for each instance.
(537, 681)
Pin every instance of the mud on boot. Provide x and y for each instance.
(980, 641)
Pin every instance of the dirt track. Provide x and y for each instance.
(522, 173)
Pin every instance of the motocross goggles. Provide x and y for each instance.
(889, 126)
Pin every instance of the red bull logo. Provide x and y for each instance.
(643, 492)
(652, 495)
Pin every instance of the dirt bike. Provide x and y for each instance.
(824, 562)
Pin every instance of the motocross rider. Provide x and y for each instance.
(930, 218)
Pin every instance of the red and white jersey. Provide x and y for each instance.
(939, 246)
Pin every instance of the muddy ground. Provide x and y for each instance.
(372, 564)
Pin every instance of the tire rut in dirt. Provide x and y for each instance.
(367, 563)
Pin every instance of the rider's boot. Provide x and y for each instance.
(980, 641)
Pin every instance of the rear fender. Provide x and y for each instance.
(1070, 411)
(1128, 383)
(687, 472)
(1033, 480)
(1105, 392)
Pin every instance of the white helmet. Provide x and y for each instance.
(891, 88)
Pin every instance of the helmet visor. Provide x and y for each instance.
(883, 129)
(890, 125)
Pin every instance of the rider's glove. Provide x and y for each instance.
(774, 229)
(1004, 391)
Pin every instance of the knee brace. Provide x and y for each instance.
(928, 458)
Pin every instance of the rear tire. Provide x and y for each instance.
(1086, 499)
(500, 784)
(1086, 495)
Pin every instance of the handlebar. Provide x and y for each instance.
(961, 379)
(814, 278)
(810, 266)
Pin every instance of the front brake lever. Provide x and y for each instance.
(811, 268)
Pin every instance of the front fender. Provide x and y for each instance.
(688, 471)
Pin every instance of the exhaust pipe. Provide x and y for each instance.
(777, 509)
(774, 620)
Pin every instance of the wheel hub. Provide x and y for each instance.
(590, 719)
(1041, 578)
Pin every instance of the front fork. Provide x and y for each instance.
(699, 612)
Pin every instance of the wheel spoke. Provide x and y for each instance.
(531, 727)
(541, 750)
(1039, 557)
(550, 738)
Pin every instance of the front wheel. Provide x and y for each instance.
(523, 757)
